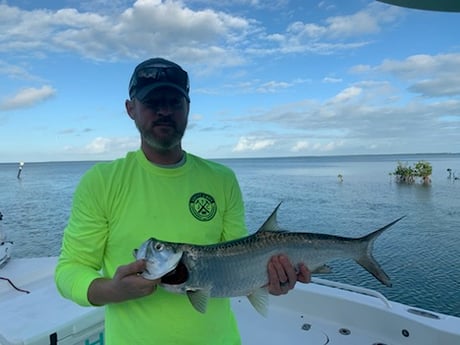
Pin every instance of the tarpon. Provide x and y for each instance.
(239, 267)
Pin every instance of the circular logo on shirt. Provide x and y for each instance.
(202, 206)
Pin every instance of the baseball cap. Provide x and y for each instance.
(156, 73)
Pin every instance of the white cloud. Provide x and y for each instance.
(366, 21)
(201, 35)
(332, 80)
(430, 75)
(360, 69)
(300, 146)
(370, 115)
(16, 72)
(261, 87)
(331, 146)
(273, 86)
(99, 145)
(253, 144)
(346, 95)
(206, 37)
(27, 97)
(103, 147)
(333, 33)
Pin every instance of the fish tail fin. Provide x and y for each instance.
(366, 259)
(373, 267)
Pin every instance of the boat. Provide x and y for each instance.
(32, 312)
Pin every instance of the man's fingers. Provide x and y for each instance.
(139, 266)
(280, 275)
(288, 271)
(273, 279)
(304, 274)
(130, 269)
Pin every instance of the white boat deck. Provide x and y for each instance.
(42, 316)
(311, 314)
(317, 314)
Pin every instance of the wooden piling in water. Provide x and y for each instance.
(21, 165)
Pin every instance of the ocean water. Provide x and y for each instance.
(421, 253)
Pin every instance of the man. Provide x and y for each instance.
(155, 192)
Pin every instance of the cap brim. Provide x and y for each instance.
(146, 91)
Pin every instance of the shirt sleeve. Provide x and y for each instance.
(84, 240)
(234, 218)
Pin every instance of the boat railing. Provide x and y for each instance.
(353, 288)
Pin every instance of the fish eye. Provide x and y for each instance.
(159, 246)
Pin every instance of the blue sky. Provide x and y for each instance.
(268, 78)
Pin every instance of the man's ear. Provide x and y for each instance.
(129, 105)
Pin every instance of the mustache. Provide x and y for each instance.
(164, 122)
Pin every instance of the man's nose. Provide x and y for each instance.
(164, 108)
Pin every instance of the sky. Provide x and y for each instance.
(269, 78)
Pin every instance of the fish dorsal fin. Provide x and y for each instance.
(199, 299)
(259, 300)
(271, 224)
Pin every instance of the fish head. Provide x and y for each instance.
(160, 257)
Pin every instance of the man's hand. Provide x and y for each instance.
(126, 284)
(282, 275)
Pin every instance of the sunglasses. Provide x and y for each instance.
(149, 75)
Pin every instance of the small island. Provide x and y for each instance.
(405, 173)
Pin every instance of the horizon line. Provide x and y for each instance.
(254, 157)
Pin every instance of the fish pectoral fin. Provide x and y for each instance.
(199, 299)
(322, 269)
(259, 300)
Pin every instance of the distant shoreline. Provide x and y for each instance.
(358, 155)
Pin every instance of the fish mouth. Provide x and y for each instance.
(177, 276)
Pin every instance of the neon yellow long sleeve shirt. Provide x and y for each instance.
(116, 207)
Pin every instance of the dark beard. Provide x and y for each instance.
(163, 144)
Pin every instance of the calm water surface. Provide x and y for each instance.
(421, 253)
